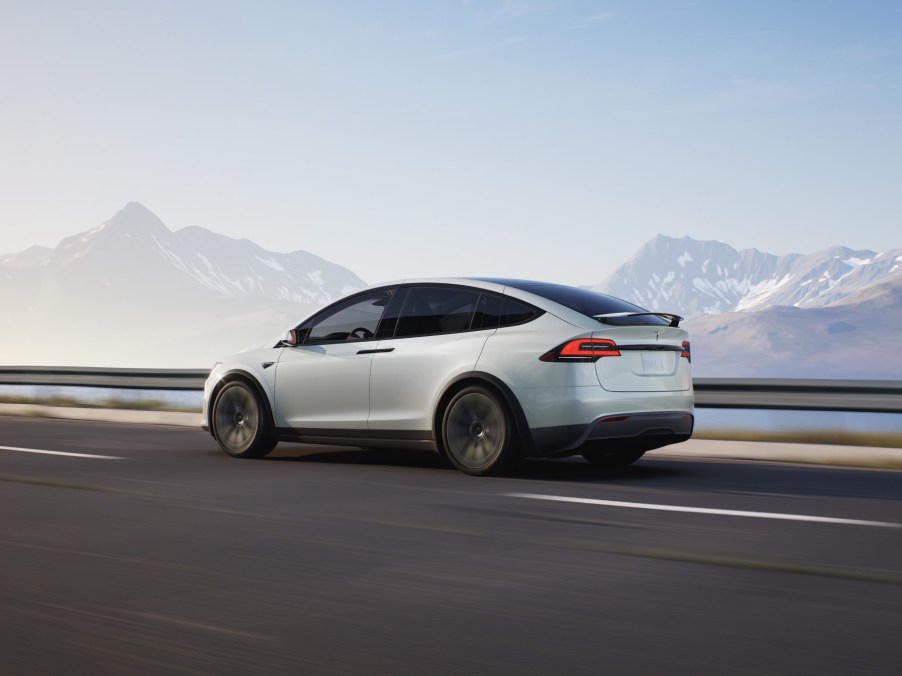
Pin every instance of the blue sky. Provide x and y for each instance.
(511, 138)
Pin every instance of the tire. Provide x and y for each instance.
(612, 459)
(240, 422)
(478, 434)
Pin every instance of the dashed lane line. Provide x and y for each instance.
(704, 510)
(90, 456)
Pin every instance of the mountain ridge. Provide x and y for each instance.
(131, 291)
(854, 338)
(695, 278)
(217, 263)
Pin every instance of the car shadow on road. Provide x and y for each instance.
(681, 474)
(573, 469)
(578, 470)
(358, 456)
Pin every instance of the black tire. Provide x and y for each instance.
(612, 459)
(240, 422)
(478, 433)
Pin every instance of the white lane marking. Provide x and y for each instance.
(705, 510)
(71, 455)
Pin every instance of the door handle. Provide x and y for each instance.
(384, 349)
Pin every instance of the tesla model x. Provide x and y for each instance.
(484, 371)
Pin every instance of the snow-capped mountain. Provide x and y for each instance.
(694, 278)
(836, 313)
(131, 292)
(854, 338)
(34, 255)
(136, 244)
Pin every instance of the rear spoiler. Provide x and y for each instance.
(672, 318)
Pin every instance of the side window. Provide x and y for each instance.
(431, 310)
(515, 312)
(356, 320)
(494, 312)
(488, 312)
(392, 312)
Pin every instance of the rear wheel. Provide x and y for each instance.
(240, 422)
(612, 459)
(478, 431)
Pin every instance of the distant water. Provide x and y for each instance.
(719, 418)
(178, 398)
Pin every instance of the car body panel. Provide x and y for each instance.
(324, 386)
(660, 368)
(255, 366)
(406, 382)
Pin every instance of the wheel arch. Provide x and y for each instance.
(524, 434)
(241, 375)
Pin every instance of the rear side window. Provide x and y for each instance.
(488, 313)
(432, 310)
(591, 303)
(515, 312)
(499, 311)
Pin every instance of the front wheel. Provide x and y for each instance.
(240, 423)
(478, 431)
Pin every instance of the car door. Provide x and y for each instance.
(432, 341)
(322, 385)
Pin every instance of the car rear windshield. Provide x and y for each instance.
(591, 303)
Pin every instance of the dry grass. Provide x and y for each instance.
(806, 436)
(111, 403)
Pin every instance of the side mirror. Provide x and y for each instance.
(292, 337)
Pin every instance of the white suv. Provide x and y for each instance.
(481, 370)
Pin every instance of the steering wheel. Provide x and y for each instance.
(361, 333)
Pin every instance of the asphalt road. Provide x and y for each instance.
(168, 557)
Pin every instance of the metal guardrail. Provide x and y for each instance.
(880, 396)
(867, 396)
(126, 379)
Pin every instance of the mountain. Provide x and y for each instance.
(136, 247)
(836, 313)
(132, 292)
(855, 338)
(694, 278)
(34, 255)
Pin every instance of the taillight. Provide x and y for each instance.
(582, 349)
(686, 351)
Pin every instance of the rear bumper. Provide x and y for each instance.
(633, 430)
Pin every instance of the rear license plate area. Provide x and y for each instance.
(654, 362)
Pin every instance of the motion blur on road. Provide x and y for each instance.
(146, 550)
